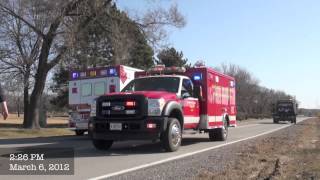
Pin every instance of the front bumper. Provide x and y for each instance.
(284, 117)
(78, 125)
(131, 129)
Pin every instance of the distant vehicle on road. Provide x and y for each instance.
(285, 110)
(162, 102)
(86, 85)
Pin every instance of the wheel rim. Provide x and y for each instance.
(175, 134)
(225, 129)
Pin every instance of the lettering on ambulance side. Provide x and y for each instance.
(217, 94)
(191, 112)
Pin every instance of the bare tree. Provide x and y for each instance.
(37, 34)
(155, 21)
(252, 99)
(20, 47)
(14, 93)
(37, 30)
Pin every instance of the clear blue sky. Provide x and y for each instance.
(278, 41)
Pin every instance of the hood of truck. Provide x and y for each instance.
(149, 94)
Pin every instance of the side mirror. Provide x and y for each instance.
(198, 92)
(185, 94)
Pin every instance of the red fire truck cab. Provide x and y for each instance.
(162, 103)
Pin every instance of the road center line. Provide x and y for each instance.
(185, 155)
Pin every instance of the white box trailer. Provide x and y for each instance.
(86, 85)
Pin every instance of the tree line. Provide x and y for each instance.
(253, 100)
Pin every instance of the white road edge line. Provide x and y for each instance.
(185, 155)
(248, 125)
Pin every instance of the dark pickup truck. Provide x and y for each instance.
(285, 110)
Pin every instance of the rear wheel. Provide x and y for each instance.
(172, 137)
(294, 120)
(212, 135)
(276, 121)
(102, 144)
(219, 134)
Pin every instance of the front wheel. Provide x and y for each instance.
(79, 132)
(102, 144)
(172, 137)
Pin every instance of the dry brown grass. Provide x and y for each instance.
(11, 128)
(14, 119)
(291, 155)
(12, 133)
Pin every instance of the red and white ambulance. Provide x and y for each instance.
(86, 85)
(162, 103)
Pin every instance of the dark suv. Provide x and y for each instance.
(285, 110)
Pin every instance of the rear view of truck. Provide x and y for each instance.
(285, 110)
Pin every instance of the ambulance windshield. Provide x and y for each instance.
(169, 84)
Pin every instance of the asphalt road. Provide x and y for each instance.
(128, 156)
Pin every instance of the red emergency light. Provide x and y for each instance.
(151, 125)
(130, 103)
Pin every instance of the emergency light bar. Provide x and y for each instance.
(161, 69)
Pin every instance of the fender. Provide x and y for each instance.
(169, 108)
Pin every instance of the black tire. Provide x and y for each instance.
(294, 120)
(79, 132)
(212, 136)
(172, 137)
(219, 134)
(90, 134)
(276, 121)
(102, 144)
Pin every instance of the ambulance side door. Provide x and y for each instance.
(190, 105)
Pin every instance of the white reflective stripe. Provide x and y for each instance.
(84, 110)
(215, 118)
(220, 118)
(190, 119)
(232, 118)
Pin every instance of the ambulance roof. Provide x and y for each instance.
(163, 75)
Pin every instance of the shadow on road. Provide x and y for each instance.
(84, 148)
(273, 123)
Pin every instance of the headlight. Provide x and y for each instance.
(155, 106)
(93, 110)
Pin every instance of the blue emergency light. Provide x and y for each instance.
(112, 72)
(197, 77)
(75, 75)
